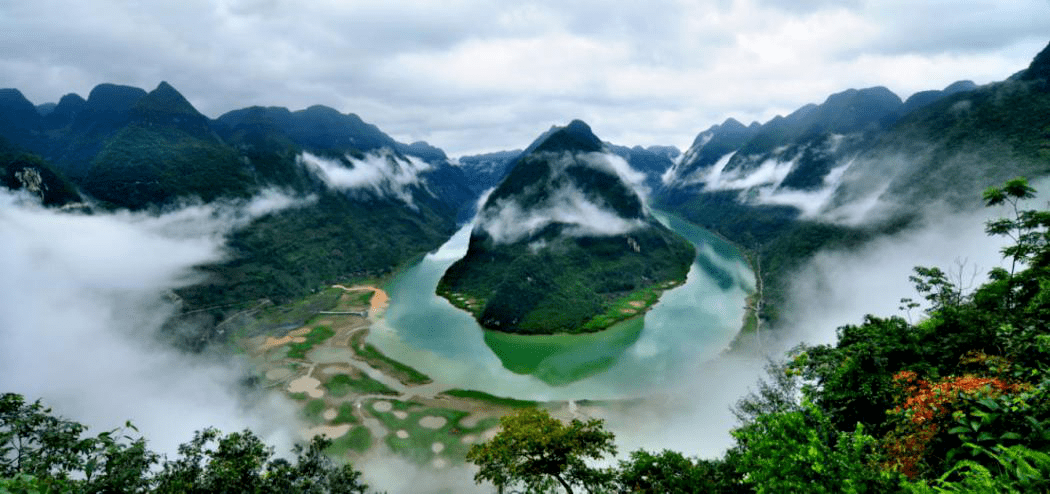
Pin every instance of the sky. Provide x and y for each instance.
(481, 75)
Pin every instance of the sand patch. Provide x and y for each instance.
(432, 422)
(382, 406)
(469, 439)
(308, 385)
(380, 299)
(403, 434)
(470, 421)
(329, 431)
(439, 463)
(278, 373)
(638, 304)
(299, 332)
(272, 342)
(337, 369)
(330, 414)
(437, 448)
(401, 414)
(491, 433)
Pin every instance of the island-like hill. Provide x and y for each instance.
(565, 243)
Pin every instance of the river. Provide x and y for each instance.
(635, 358)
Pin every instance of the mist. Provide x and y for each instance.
(507, 220)
(382, 173)
(82, 300)
(833, 289)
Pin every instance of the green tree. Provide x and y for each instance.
(801, 451)
(670, 471)
(534, 447)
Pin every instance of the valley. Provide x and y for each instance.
(369, 405)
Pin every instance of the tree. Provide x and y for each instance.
(801, 451)
(534, 447)
(670, 471)
(41, 453)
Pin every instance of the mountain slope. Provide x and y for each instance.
(565, 244)
(833, 176)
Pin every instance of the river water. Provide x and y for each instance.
(635, 358)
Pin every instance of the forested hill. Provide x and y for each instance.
(124, 147)
(565, 243)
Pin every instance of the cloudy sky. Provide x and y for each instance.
(479, 75)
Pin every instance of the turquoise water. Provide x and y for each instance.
(691, 323)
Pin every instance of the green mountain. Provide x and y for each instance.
(124, 147)
(797, 185)
(564, 244)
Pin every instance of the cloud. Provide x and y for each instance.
(381, 172)
(82, 301)
(476, 75)
(507, 220)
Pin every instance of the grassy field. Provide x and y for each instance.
(359, 440)
(316, 335)
(419, 445)
(343, 384)
(488, 398)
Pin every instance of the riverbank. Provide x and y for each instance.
(369, 404)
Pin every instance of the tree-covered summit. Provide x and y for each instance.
(565, 243)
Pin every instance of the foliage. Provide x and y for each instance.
(42, 453)
(956, 402)
(801, 450)
(534, 447)
(670, 471)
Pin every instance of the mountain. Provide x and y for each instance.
(24, 171)
(858, 166)
(365, 205)
(485, 171)
(565, 243)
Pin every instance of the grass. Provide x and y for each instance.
(312, 411)
(417, 446)
(407, 375)
(316, 335)
(359, 439)
(622, 309)
(488, 398)
(298, 396)
(342, 384)
(346, 415)
(299, 312)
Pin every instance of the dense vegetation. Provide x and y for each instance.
(956, 402)
(552, 280)
(41, 453)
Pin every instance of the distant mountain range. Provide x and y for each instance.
(369, 203)
(858, 165)
(565, 243)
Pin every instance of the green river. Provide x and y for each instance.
(635, 358)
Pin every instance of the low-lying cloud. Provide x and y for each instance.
(82, 300)
(383, 173)
(507, 220)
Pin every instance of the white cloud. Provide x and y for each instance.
(82, 301)
(507, 220)
(381, 172)
(474, 75)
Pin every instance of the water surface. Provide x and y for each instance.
(637, 357)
